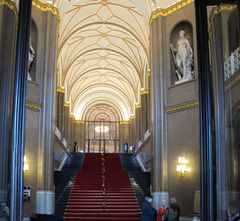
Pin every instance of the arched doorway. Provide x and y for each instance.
(102, 130)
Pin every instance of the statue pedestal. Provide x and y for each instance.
(182, 81)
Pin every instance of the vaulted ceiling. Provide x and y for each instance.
(103, 53)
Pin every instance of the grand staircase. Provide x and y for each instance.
(102, 191)
(64, 181)
(140, 180)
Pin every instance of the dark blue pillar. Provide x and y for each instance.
(206, 114)
(18, 111)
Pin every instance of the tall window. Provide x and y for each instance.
(102, 130)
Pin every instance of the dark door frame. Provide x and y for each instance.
(206, 109)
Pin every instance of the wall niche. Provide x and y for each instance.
(181, 53)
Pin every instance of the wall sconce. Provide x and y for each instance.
(25, 164)
(182, 167)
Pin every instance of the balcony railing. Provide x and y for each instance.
(232, 64)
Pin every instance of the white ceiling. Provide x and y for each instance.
(103, 52)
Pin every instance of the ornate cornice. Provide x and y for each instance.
(60, 90)
(167, 11)
(183, 106)
(124, 122)
(79, 122)
(217, 10)
(46, 7)
(33, 106)
(11, 5)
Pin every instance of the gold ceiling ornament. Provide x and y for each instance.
(183, 106)
(11, 5)
(46, 7)
(60, 90)
(217, 10)
(104, 2)
(167, 11)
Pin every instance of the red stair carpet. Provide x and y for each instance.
(102, 191)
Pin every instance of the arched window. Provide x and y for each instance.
(102, 130)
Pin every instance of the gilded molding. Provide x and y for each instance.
(145, 91)
(182, 107)
(11, 5)
(60, 90)
(33, 106)
(66, 104)
(217, 10)
(167, 11)
(137, 106)
(132, 117)
(125, 122)
(79, 122)
(46, 7)
(71, 116)
(233, 81)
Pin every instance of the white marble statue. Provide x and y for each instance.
(31, 56)
(183, 58)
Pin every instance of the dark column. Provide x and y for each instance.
(8, 36)
(18, 110)
(158, 121)
(45, 194)
(206, 110)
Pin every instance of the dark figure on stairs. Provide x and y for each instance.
(148, 209)
(75, 147)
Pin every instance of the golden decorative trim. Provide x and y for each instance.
(137, 106)
(217, 10)
(60, 90)
(46, 7)
(167, 11)
(66, 104)
(144, 91)
(132, 117)
(148, 73)
(125, 122)
(182, 107)
(33, 106)
(79, 122)
(11, 5)
(233, 81)
(71, 116)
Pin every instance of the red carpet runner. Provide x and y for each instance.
(102, 191)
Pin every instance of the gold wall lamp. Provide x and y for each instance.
(182, 167)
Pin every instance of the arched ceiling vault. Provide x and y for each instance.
(103, 53)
